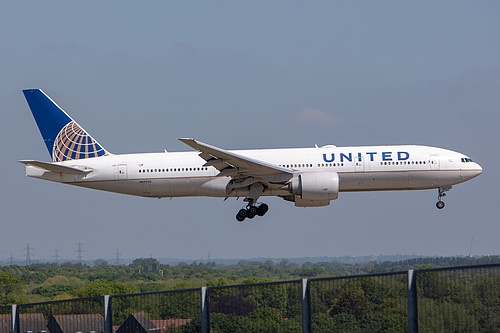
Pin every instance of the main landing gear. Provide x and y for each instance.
(251, 211)
(441, 195)
(255, 190)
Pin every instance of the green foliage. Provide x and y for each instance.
(54, 290)
(141, 262)
(101, 262)
(150, 286)
(11, 289)
(366, 304)
(217, 282)
(180, 305)
(447, 317)
(102, 287)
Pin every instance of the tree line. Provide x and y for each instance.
(45, 282)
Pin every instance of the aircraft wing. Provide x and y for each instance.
(235, 165)
(55, 167)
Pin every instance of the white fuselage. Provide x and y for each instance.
(182, 174)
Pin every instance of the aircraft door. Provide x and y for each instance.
(434, 162)
(121, 171)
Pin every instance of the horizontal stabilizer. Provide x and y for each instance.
(55, 167)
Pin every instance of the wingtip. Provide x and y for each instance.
(187, 140)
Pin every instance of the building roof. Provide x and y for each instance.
(137, 323)
(76, 323)
(5, 323)
(164, 324)
(34, 322)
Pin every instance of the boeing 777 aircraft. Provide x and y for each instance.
(309, 177)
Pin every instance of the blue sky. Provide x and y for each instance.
(139, 75)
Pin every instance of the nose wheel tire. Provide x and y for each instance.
(441, 195)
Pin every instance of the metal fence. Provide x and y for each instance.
(375, 303)
(463, 299)
(264, 307)
(80, 315)
(158, 311)
(460, 299)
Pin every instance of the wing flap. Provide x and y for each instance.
(55, 167)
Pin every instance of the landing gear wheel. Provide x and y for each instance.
(441, 195)
(262, 210)
(250, 215)
(242, 214)
(252, 210)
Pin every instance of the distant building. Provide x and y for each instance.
(140, 323)
(76, 323)
(5, 323)
(32, 322)
(28, 322)
(137, 323)
(154, 269)
(165, 324)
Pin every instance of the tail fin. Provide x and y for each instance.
(64, 138)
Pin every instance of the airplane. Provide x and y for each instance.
(309, 177)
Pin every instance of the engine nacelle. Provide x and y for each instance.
(315, 188)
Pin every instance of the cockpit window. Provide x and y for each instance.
(466, 160)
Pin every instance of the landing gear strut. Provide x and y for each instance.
(251, 211)
(441, 195)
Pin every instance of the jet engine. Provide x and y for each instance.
(313, 189)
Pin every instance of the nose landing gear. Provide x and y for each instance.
(441, 195)
(440, 204)
(251, 211)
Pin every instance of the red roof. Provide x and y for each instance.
(164, 324)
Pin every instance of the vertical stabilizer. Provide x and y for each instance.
(64, 138)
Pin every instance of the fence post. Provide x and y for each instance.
(306, 307)
(14, 316)
(412, 302)
(205, 315)
(108, 316)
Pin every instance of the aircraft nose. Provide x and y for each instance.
(479, 170)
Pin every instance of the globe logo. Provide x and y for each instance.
(73, 143)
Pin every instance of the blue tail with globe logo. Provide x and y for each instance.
(64, 138)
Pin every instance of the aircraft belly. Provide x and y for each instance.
(165, 187)
(213, 187)
(180, 187)
(398, 180)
